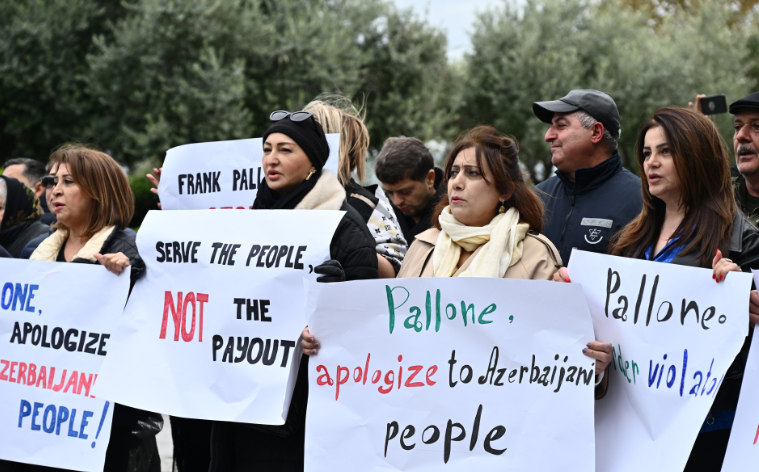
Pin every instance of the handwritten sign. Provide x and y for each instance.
(221, 174)
(674, 332)
(743, 446)
(56, 321)
(211, 330)
(460, 374)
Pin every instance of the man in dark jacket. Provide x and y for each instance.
(592, 196)
(412, 182)
(746, 144)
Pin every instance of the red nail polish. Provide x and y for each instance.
(714, 276)
(566, 280)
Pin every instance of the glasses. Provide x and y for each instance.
(48, 181)
(297, 116)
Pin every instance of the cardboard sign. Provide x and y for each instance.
(56, 322)
(675, 332)
(220, 174)
(454, 374)
(211, 331)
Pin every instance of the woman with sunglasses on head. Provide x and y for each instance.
(20, 213)
(295, 151)
(337, 114)
(91, 197)
(690, 217)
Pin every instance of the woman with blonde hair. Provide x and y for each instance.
(337, 114)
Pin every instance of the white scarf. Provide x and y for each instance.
(49, 248)
(501, 241)
(327, 194)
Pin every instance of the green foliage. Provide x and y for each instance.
(43, 95)
(548, 47)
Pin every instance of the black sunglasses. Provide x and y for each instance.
(48, 181)
(297, 116)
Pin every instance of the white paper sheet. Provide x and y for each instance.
(743, 447)
(229, 173)
(668, 367)
(383, 379)
(56, 320)
(233, 352)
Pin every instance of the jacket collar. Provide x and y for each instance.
(591, 178)
(49, 248)
(429, 236)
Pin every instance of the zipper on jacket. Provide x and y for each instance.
(566, 222)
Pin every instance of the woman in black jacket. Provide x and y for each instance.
(20, 213)
(690, 218)
(295, 151)
(90, 195)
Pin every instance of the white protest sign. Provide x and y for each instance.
(742, 448)
(220, 174)
(458, 374)
(674, 332)
(211, 331)
(56, 320)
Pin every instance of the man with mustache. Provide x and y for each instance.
(746, 144)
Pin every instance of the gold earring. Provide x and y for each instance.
(502, 209)
(311, 172)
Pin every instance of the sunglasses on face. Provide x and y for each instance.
(48, 181)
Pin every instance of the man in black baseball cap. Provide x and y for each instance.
(591, 196)
(746, 145)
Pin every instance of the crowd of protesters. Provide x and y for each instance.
(479, 216)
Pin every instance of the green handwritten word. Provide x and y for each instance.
(414, 322)
(624, 367)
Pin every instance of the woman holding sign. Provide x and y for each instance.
(90, 195)
(295, 151)
(690, 218)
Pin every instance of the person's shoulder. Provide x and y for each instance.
(539, 247)
(549, 184)
(626, 177)
(352, 228)
(122, 240)
(30, 247)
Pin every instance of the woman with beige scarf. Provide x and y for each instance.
(489, 225)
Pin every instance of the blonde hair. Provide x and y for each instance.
(100, 178)
(337, 114)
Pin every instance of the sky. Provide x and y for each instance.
(453, 16)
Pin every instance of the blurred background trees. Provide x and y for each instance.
(137, 78)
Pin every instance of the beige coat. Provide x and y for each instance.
(540, 259)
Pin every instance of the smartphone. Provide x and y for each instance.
(714, 105)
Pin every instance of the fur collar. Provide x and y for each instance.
(49, 248)
(327, 194)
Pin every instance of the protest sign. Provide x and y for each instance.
(211, 331)
(56, 321)
(674, 333)
(220, 174)
(458, 374)
(742, 448)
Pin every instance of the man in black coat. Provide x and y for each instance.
(592, 196)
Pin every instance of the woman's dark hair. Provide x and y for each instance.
(502, 155)
(101, 179)
(706, 191)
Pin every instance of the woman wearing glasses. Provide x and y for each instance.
(91, 197)
(295, 151)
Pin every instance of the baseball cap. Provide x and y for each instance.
(749, 101)
(597, 104)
